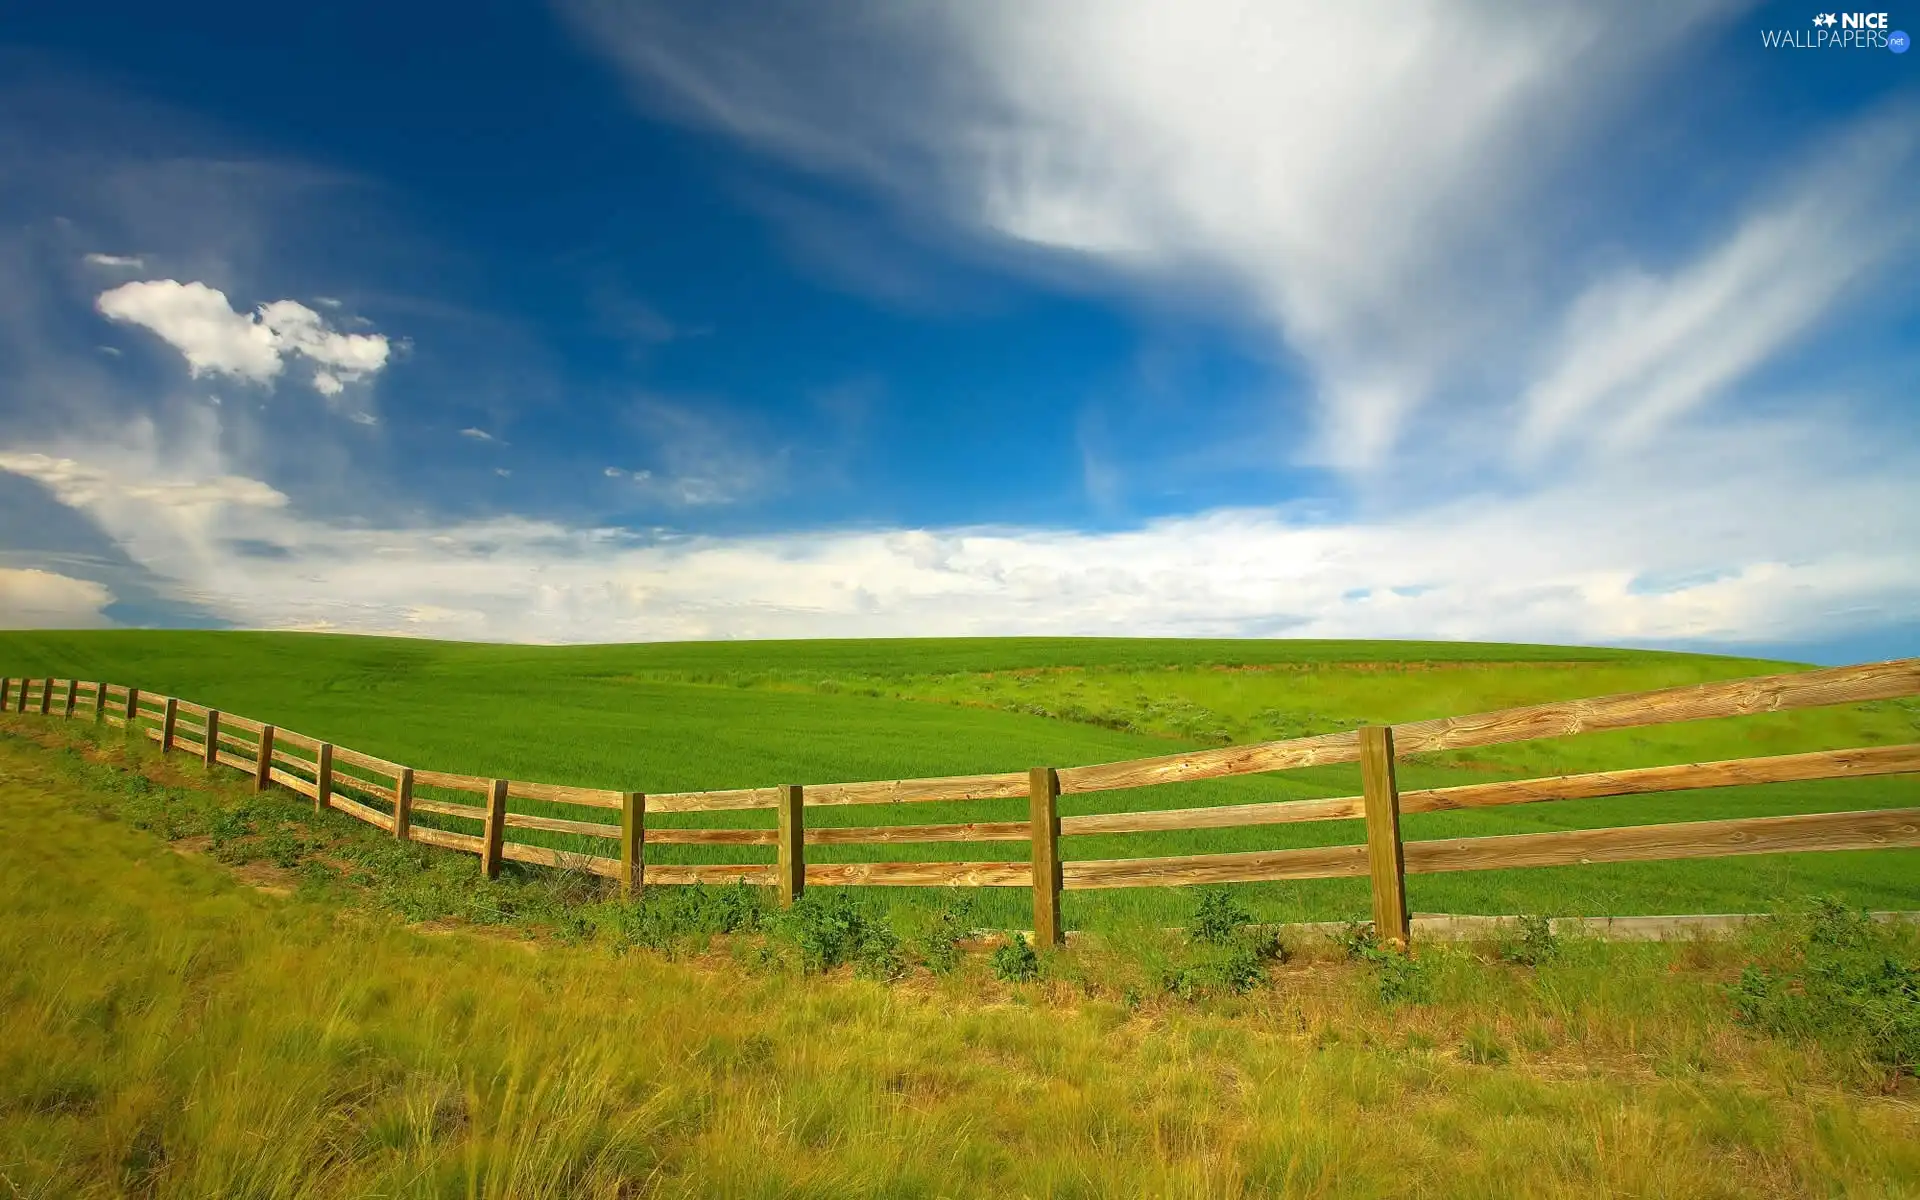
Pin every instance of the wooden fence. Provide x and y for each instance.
(390, 796)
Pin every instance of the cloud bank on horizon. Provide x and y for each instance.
(1468, 343)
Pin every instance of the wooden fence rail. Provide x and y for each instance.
(383, 793)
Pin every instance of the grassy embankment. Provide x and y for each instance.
(670, 717)
(189, 1019)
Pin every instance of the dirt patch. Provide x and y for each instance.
(264, 877)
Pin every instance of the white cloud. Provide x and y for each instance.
(478, 435)
(132, 261)
(34, 599)
(1809, 538)
(198, 321)
(613, 472)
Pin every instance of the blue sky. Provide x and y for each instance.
(605, 321)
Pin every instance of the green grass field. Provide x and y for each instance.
(180, 1017)
(685, 716)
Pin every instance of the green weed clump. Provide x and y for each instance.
(1533, 942)
(827, 929)
(1224, 953)
(1398, 978)
(665, 918)
(1015, 962)
(1834, 975)
(937, 941)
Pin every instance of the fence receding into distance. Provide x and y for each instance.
(382, 793)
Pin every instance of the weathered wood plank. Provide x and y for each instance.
(1320, 750)
(288, 779)
(1706, 701)
(447, 841)
(1692, 839)
(1384, 860)
(972, 831)
(1313, 862)
(1771, 693)
(561, 859)
(923, 874)
(559, 793)
(342, 754)
(1004, 786)
(680, 873)
(1738, 772)
(191, 709)
(244, 724)
(298, 740)
(1043, 829)
(371, 816)
(1228, 816)
(234, 760)
(446, 779)
(722, 801)
(471, 812)
(557, 825)
(366, 786)
(714, 837)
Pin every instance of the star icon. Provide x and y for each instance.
(1826, 19)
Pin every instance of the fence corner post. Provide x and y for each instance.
(323, 777)
(1043, 785)
(792, 844)
(496, 830)
(1386, 860)
(167, 718)
(213, 736)
(263, 760)
(403, 804)
(633, 843)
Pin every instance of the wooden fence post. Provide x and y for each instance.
(167, 719)
(1385, 855)
(6, 692)
(73, 692)
(496, 829)
(46, 695)
(323, 777)
(20, 705)
(263, 760)
(133, 706)
(793, 844)
(213, 736)
(403, 804)
(1043, 785)
(99, 700)
(633, 842)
